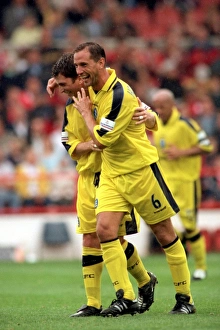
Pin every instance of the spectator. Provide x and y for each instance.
(33, 65)
(73, 37)
(93, 26)
(19, 121)
(6, 136)
(118, 25)
(215, 90)
(58, 24)
(212, 19)
(170, 79)
(26, 35)
(64, 183)
(202, 50)
(16, 150)
(8, 195)
(38, 132)
(78, 11)
(13, 15)
(32, 183)
(208, 116)
(51, 158)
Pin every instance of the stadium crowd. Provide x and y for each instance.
(172, 44)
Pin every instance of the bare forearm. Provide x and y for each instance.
(172, 152)
(193, 151)
(84, 148)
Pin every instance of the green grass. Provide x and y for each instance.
(41, 296)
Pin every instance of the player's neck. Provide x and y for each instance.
(103, 77)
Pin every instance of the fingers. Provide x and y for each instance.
(81, 94)
(94, 147)
(139, 114)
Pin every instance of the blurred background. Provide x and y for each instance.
(172, 44)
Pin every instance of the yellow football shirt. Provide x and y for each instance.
(74, 132)
(127, 145)
(182, 133)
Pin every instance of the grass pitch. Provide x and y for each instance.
(41, 296)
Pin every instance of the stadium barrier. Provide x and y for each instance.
(22, 230)
(22, 236)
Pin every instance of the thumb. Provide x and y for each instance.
(139, 101)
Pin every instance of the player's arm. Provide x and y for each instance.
(172, 152)
(83, 148)
(84, 106)
(74, 146)
(202, 146)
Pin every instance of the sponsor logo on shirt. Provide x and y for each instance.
(107, 124)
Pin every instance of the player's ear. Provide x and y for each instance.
(101, 62)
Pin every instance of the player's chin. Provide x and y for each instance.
(87, 81)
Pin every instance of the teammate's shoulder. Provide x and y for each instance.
(191, 123)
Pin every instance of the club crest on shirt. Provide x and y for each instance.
(162, 143)
(96, 203)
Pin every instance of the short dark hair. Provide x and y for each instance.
(65, 66)
(95, 50)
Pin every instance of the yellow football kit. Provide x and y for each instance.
(88, 167)
(183, 174)
(127, 157)
(131, 176)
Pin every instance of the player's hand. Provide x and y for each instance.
(82, 103)
(172, 152)
(94, 147)
(141, 115)
(51, 86)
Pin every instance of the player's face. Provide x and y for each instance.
(163, 107)
(87, 69)
(69, 86)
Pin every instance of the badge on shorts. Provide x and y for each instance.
(107, 124)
